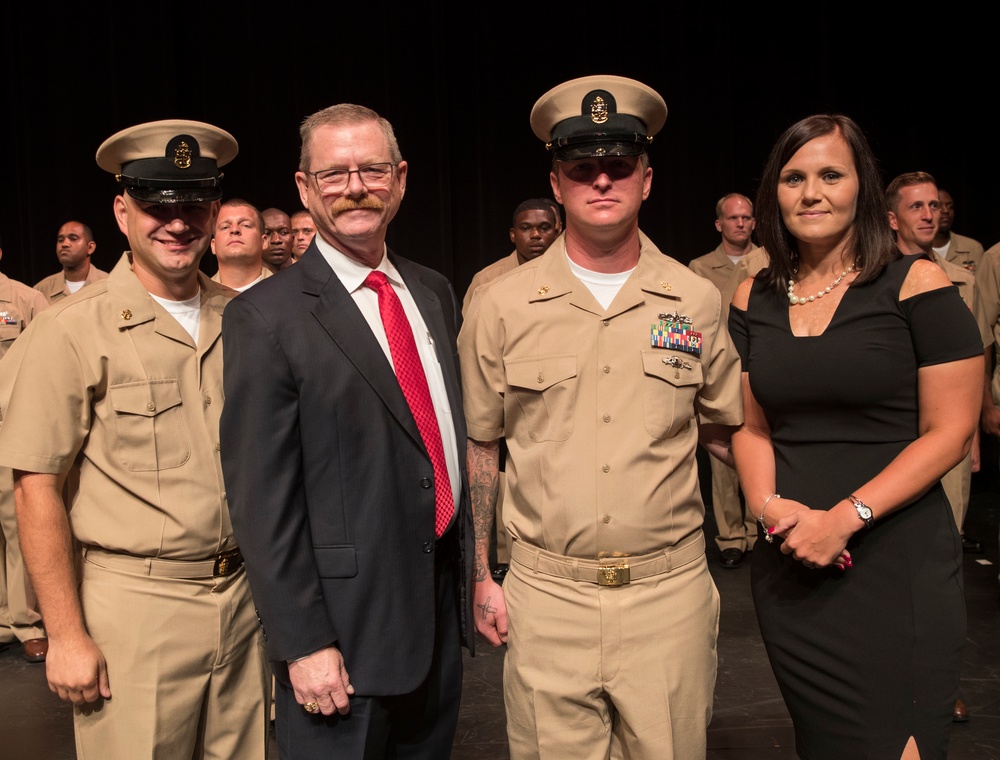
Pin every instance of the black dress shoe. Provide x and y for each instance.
(500, 572)
(971, 546)
(731, 558)
(960, 713)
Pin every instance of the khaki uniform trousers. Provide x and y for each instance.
(737, 529)
(19, 618)
(957, 484)
(186, 664)
(595, 671)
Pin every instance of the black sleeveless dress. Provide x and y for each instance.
(868, 657)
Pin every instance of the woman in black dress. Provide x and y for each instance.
(862, 384)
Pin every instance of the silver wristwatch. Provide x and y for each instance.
(864, 511)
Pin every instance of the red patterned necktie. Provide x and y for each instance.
(410, 374)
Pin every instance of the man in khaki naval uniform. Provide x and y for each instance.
(603, 363)
(534, 226)
(238, 243)
(988, 317)
(19, 616)
(950, 246)
(158, 647)
(74, 247)
(914, 208)
(737, 527)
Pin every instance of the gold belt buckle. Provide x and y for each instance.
(613, 575)
(226, 563)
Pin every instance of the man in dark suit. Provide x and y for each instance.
(352, 510)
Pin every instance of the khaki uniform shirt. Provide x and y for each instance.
(601, 430)
(488, 274)
(717, 266)
(963, 279)
(18, 306)
(264, 274)
(748, 266)
(109, 380)
(54, 287)
(964, 251)
(988, 309)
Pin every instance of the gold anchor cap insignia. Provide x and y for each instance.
(182, 155)
(599, 110)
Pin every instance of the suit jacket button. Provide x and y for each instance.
(425, 483)
(428, 547)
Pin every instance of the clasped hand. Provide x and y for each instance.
(814, 537)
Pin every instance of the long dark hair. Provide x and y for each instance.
(870, 237)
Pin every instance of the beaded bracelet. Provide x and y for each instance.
(760, 519)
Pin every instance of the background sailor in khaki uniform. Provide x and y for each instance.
(19, 616)
(988, 318)
(74, 247)
(238, 244)
(949, 246)
(159, 647)
(603, 362)
(914, 209)
(737, 528)
(534, 225)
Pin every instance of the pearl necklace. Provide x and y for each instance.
(794, 299)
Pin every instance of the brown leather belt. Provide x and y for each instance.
(218, 566)
(617, 571)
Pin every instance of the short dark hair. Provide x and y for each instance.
(870, 237)
(240, 202)
(892, 192)
(534, 204)
(87, 232)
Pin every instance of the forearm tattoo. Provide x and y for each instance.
(483, 462)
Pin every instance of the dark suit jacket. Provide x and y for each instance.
(329, 484)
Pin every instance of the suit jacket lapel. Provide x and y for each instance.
(340, 317)
(433, 312)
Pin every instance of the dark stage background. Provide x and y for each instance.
(458, 83)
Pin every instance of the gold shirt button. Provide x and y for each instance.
(607, 418)
(218, 447)
(607, 369)
(607, 518)
(606, 468)
(150, 407)
(606, 322)
(208, 400)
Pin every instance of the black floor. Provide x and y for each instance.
(750, 721)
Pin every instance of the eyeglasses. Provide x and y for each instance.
(374, 176)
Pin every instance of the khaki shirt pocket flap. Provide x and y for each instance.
(9, 332)
(336, 561)
(145, 398)
(675, 367)
(539, 374)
